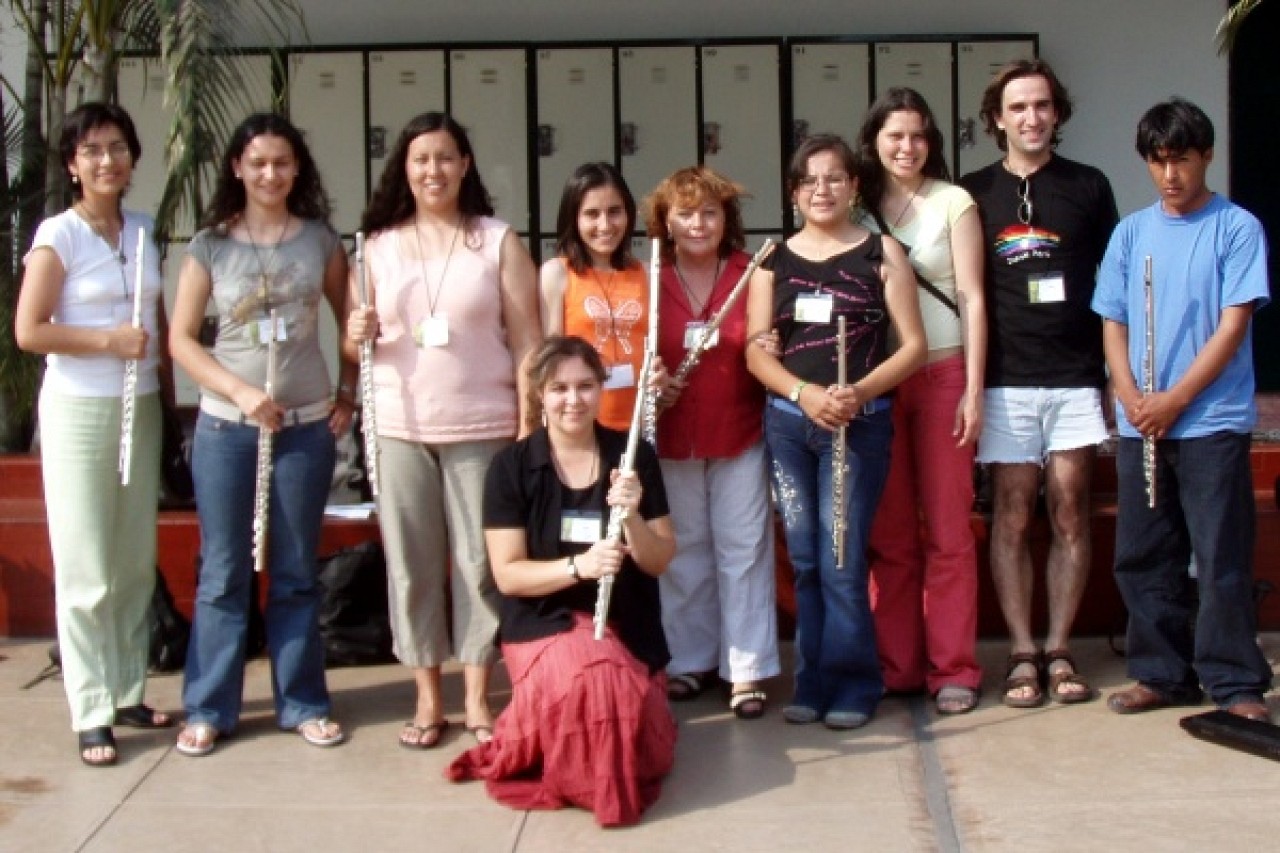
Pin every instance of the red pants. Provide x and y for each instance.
(924, 569)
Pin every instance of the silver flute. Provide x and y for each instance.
(1149, 382)
(707, 333)
(129, 398)
(618, 514)
(838, 522)
(368, 410)
(266, 442)
(650, 412)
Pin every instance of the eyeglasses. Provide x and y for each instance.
(115, 151)
(809, 183)
(1025, 208)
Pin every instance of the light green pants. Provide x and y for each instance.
(103, 537)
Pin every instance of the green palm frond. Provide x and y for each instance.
(199, 43)
(1229, 26)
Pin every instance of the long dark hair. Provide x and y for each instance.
(90, 116)
(585, 178)
(554, 351)
(307, 199)
(993, 97)
(898, 99)
(392, 202)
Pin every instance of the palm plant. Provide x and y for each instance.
(197, 41)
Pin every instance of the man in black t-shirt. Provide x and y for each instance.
(1046, 222)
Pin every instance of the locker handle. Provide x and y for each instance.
(628, 141)
(711, 142)
(546, 140)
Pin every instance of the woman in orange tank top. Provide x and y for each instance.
(594, 289)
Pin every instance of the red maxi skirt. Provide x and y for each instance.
(587, 726)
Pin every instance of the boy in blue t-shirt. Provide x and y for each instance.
(1209, 274)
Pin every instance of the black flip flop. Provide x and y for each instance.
(141, 717)
(94, 738)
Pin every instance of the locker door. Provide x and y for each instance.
(976, 63)
(488, 97)
(925, 67)
(326, 102)
(658, 103)
(402, 84)
(575, 120)
(742, 126)
(141, 85)
(830, 89)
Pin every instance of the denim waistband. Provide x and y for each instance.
(879, 404)
(309, 413)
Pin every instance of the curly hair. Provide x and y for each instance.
(90, 116)
(307, 198)
(547, 358)
(569, 243)
(898, 99)
(690, 187)
(993, 96)
(393, 202)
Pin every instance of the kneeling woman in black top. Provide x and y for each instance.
(588, 724)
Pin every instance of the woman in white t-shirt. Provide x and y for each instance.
(76, 307)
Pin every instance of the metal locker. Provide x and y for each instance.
(141, 83)
(741, 131)
(575, 120)
(830, 89)
(976, 63)
(326, 103)
(925, 67)
(658, 91)
(402, 84)
(488, 97)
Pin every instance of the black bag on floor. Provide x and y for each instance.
(170, 630)
(354, 619)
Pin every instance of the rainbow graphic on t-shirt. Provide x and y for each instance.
(1020, 241)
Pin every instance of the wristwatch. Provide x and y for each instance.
(794, 396)
(572, 570)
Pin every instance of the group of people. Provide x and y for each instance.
(920, 322)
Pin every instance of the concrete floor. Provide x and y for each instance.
(1054, 779)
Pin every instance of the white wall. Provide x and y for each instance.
(1117, 57)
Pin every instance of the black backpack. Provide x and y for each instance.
(354, 619)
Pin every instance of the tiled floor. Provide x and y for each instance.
(1053, 779)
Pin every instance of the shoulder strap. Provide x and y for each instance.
(921, 280)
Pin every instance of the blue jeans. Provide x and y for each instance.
(837, 668)
(224, 463)
(1204, 507)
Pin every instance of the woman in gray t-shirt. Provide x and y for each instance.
(266, 258)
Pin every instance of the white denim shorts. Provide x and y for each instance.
(1023, 425)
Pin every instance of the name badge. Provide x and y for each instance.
(620, 376)
(580, 527)
(693, 334)
(814, 308)
(1046, 287)
(433, 331)
(263, 333)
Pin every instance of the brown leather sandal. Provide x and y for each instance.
(1057, 679)
(1014, 682)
